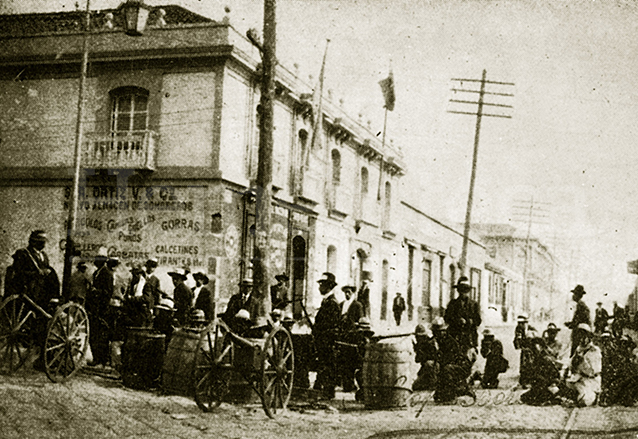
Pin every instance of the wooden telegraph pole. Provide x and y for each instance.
(263, 207)
(479, 114)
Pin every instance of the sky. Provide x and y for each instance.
(570, 143)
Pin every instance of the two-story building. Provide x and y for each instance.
(169, 161)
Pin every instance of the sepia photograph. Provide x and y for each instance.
(255, 219)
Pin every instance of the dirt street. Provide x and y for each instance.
(91, 406)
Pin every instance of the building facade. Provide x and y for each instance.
(169, 162)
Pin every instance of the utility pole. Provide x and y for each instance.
(479, 114)
(533, 212)
(263, 207)
(69, 248)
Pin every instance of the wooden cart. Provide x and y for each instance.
(267, 364)
(66, 342)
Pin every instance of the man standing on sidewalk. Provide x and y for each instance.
(326, 332)
(398, 307)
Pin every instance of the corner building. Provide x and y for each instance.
(169, 160)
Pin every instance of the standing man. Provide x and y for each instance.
(522, 343)
(463, 316)
(600, 318)
(204, 297)
(97, 305)
(581, 315)
(79, 284)
(325, 332)
(398, 307)
(182, 296)
(152, 291)
(364, 292)
(239, 301)
(279, 292)
(136, 308)
(351, 309)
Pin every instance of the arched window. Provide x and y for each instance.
(331, 259)
(129, 110)
(303, 145)
(364, 180)
(336, 167)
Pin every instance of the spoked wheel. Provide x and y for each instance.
(213, 366)
(17, 322)
(67, 341)
(277, 372)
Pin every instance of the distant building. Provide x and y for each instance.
(526, 279)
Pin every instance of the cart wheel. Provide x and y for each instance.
(66, 342)
(277, 370)
(17, 322)
(213, 365)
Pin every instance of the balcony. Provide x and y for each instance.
(126, 150)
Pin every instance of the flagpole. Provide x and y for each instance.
(385, 124)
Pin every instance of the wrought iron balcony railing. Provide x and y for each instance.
(120, 150)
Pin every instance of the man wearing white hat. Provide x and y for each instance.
(583, 382)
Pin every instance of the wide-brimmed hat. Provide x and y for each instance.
(38, 235)
(584, 327)
(551, 327)
(487, 332)
(439, 323)
(246, 281)
(420, 330)
(165, 304)
(329, 278)
(179, 273)
(201, 275)
(151, 263)
(198, 316)
(463, 284)
(282, 277)
(351, 288)
(243, 314)
(113, 261)
(522, 318)
(578, 289)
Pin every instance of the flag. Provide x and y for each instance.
(387, 88)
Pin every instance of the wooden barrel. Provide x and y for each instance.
(142, 358)
(387, 374)
(179, 363)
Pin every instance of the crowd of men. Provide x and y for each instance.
(602, 365)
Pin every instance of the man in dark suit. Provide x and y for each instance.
(279, 292)
(204, 297)
(237, 302)
(398, 308)
(182, 296)
(463, 316)
(351, 314)
(600, 319)
(97, 304)
(152, 292)
(581, 315)
(325, 332)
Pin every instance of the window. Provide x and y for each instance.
(475, 281)
(387, 205)
(336, 167)
(425, 283)
(331, 259)
(129, 110)
(364, 180)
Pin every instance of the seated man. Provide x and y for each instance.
(454, 366)
(544, 375)
(495, 362)
(582, 384)
(426, 352)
